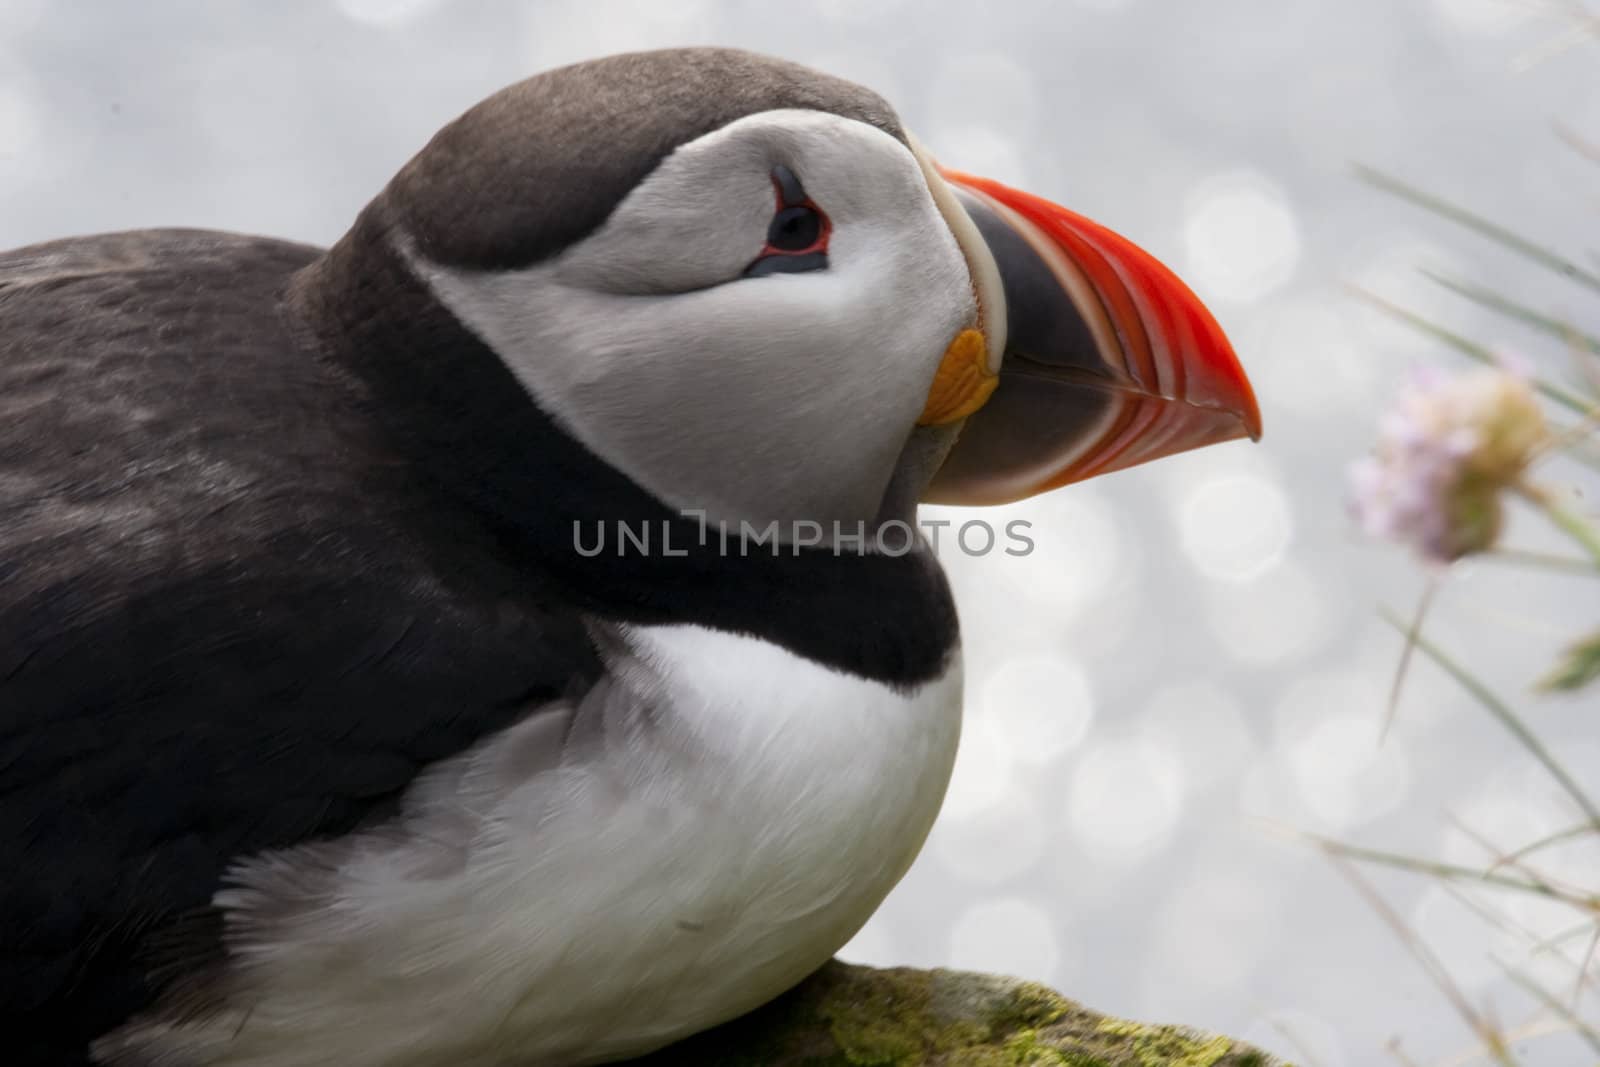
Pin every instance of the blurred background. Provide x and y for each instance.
(1189, 668)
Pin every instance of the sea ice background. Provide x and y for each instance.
(1190, 661)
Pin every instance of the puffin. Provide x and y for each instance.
(495, 639)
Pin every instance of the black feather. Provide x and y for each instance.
(229, 618)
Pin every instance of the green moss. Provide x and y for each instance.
(1162, 1046)
(848, 1016)
(1029, 1007)
(1026, 1049)
(884, 1023)
(939, 1017)
(880, 1045)
(877, 1026)
(930, 1017)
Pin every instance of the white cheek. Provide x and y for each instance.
(907, 289)
(782, 397)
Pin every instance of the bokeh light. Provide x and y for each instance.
(1217, 929)
(1329, 739)
(17, 123)
(1126, 796)
(1007, 935)
(1482, 16)
(858, 11)
(1205, 726)
(1080, 550)
(981, 150)
(994, 844)
(1453, 929)
(1042, 706)
(985, 89)
(1241, 239)
(1344, 775)
(1308, 359)
(560, 33)
(1274, 617)
(384, 12)
(1236, 528)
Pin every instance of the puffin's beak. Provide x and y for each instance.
(1108, 361)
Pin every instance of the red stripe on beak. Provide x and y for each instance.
(1137, 367)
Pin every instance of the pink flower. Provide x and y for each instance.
(1444, 457)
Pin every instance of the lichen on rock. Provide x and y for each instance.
(850, 1016)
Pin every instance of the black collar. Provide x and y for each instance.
(478, 441)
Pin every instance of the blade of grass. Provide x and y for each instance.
(1455, 872)
(1552, 943)
(1480, 225)
(1430, 963)
(1470, 348)
(1570, 522)
(1584, 26)
(1589, 371)
(1494, 850)
(1583, 968)
(1578, 668)
(1574, 451)
(1564, 331)
(1424, 602)
(1515, 1037)
(1288, 1033)
(1394, 1049)
(1508, 925)
(1577, 142)
(1571, 833)
(1501, 711)
(1563, 564)
(1565, 41)
(1549, 1000)
(1574, 441)
(1488, 915)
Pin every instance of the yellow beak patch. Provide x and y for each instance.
(963, 383)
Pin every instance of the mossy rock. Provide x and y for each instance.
(849, 1016)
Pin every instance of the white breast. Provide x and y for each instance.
(700, 834)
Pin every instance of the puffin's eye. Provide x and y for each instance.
(795, 229)
(797, 236)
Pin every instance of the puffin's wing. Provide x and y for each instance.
(229, 618)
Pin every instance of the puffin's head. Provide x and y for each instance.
(744, 285)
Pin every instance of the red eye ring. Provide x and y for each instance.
(799, 227)
(797, 236)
